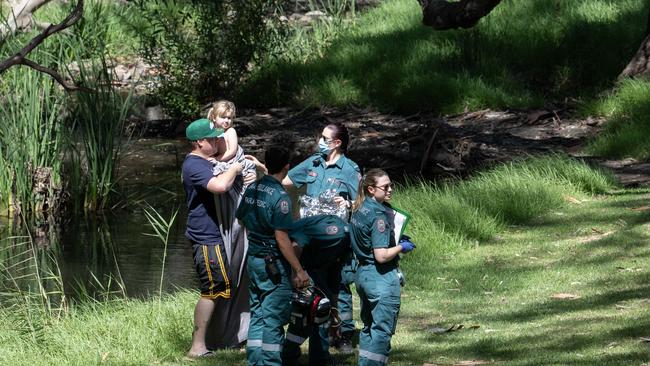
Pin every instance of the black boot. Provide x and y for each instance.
(344, 344)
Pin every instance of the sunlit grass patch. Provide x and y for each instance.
(512, 193)
(113, 332)
(628, 125)
(450, 219)
(598, 11)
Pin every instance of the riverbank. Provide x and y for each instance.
(566, 285)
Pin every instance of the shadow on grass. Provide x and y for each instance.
(391, 61)
(522, 324)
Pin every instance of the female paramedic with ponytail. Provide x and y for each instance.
(377, 281)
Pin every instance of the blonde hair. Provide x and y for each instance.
(221, 108)
(368, 180)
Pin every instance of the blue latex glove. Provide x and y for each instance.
(406, 243)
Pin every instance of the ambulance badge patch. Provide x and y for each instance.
(284, 207)
(381, 225)
(332, 230)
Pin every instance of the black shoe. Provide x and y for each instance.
(344, 346)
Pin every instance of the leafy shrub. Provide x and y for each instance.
(204, 48)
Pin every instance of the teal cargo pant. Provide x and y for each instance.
(323, 267)
(379, 291)
(270, 311)
(345, 295)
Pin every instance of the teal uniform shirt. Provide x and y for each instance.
(370, 229)
(265, 207)
(325, 239)
(323, 231)
(342, 176)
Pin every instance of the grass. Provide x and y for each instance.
(597, 250)
(512, 193)
(594, 247)
(119, 332)
(98, 121)
(522, 54)
(627, 111)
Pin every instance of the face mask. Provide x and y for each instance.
(323, 147)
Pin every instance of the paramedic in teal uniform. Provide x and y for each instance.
(321, 242)
(377, 281)
(329, 169)
(265, 210)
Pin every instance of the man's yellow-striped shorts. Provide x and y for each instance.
(210, 265)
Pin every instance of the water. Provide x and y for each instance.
(110, 252)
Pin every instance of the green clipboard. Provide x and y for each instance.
(400, 220)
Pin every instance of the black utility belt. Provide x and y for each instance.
(264, 255)
(364, 263)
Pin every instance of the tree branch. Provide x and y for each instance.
(20, 57)
(443, 15)
(55, 75)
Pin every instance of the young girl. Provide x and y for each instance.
(377, 281)
(222, 114)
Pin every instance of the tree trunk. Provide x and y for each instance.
(20, 16)
(443, 15)
(640, 63)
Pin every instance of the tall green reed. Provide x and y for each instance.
(97, 117)
(47, 134)
(98, 121)
(32, 141)
(31, 285)
(161, 228)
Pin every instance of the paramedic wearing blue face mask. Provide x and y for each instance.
(327, 169)
(377, 279)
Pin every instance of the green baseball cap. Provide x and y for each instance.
(202, 129)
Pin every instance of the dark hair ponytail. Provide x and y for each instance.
(340, 132)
